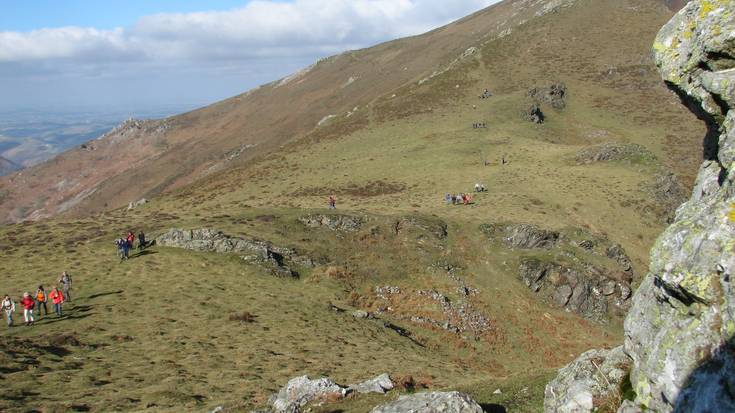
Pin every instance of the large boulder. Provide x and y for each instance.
(588, 383)
(379, 384)
(431, 402)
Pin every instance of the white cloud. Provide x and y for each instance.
(260, 29)
(213, 54)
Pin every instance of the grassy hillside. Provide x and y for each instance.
(165, 331)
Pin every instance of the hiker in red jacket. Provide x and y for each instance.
(58, 298)
(131, 239)
(28, 304)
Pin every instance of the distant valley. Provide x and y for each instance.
(31, 136)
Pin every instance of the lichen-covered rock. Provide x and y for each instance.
(594, 378)
(301, 390)
(679, 331)
(431, 402)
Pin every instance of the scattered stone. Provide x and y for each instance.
(498, 391)
(589, 381)
(431, 402)
(380, 384)
(360, 314)
(334, 222)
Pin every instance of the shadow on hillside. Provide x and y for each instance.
(97, 295)
(708, 387)
(143, 253)
(493, 408)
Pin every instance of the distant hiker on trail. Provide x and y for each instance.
(480, 188)
(141, 241)
(8, 306)
(41, 301)
(65, 281)
(28, 303)
(448, 199)
(332, 202)
(58, 299)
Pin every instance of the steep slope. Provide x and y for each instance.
(155, 157)
(7, 166)
(492, 295)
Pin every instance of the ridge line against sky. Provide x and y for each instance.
(187, 51)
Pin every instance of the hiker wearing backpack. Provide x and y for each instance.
(131, 240)
(41, 301)
(58, 299)
(8, 306)
(141, 241)
(65, 281)
(28, 304)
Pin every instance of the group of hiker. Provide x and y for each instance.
(463, 198)
(127, 242)
(30, 303)
(479, 125)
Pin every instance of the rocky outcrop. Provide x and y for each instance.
(565, 268)
(334, 222)
(590, 382)
(666, 193)
(553, 95)
(589, 291)
(137, 203)
(430, 402)
(276, 260)
(680, 330)
(533, 114)
(523, 236)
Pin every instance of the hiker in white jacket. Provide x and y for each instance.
(8, 306)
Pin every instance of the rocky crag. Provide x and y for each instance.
(679, 331)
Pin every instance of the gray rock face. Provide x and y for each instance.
(301, 390)
(272, 258)
(335, 222)
(431, 402)
(587, 382)
(680, 330)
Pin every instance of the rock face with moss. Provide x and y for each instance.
(680, 330)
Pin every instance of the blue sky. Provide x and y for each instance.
(26, 15)
(68, 53)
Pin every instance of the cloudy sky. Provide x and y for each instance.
(141, 52)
